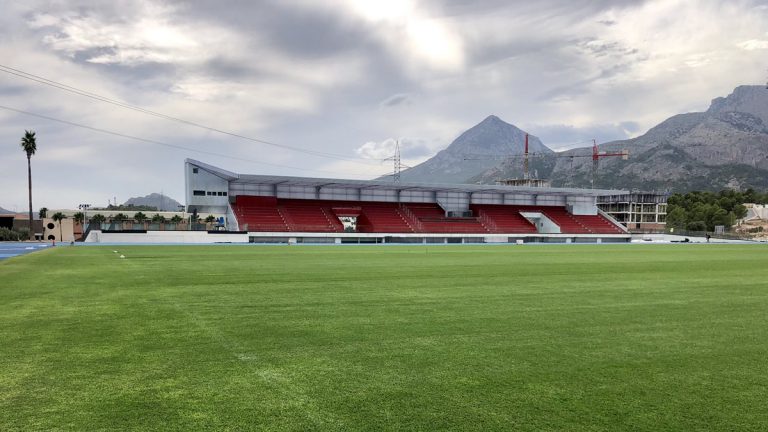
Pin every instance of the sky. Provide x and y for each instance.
(326, 88)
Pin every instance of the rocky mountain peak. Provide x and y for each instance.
(495, 136)
(750, 99)
(474, 151)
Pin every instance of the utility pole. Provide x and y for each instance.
(398, 164)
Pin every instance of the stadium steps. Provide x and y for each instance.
(503, 219)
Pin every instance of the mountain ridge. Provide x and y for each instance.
(725, 146)
(160, 201)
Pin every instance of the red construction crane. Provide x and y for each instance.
(596, 156)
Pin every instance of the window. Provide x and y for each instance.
(194, 170)
(198, 193)
(221, 193)
(211, 193)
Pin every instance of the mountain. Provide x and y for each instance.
(4, 211)
(161, 202)
(474, 152)
(723, 147)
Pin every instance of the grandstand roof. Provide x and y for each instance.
(378, 184)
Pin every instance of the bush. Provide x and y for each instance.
(9, 235)
(23, 233)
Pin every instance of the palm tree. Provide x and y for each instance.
(43, 212)
(79, 218)
(140, 218)
(210, 219)
(98, 218)
(58, 217)
(119, 218)
(29, 144)
(158, 218)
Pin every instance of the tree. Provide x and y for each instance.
(210, 219)
(58, 217)
(176, 219)
(29, 144)
(740, 211)
(98, 218)
(676, 218)
(140, 218)
(79, 217)
(119, 218)
(158, 218)
(696, 226)
(43, 212)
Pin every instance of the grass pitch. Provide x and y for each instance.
(526, 338)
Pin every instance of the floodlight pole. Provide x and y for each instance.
(84, 208)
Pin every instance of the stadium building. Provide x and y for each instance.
(281, 209)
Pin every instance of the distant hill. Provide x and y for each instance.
(161, 202)
(723, 147)
(4, 211)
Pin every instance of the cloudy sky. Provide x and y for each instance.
(329, 85)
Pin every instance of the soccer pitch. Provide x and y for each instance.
(525, 338)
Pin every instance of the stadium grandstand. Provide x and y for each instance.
(281, 209)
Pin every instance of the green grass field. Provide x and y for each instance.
(525, 338)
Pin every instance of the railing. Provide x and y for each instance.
(411, 218)
(287, 220)
(613, 220)
(487, 221)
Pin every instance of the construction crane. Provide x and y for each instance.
(525, 156)
(596, 156)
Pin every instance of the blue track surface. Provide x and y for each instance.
(11, 249)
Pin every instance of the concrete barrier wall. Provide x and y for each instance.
(166, 237)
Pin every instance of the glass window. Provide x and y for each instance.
(198, 193)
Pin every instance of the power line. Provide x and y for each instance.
(95, 96)
(150, 141)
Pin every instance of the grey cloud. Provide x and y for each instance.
(598, 48)
(397, 99)
(302, 32)
(575, 8)
(414, 148)
(561, 136)
(582, 86)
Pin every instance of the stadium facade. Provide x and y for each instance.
(284, 209)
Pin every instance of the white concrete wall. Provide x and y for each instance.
(166, 237)
(213, 201)
(543, 224)
(582, 205)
